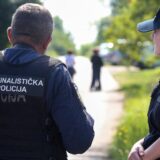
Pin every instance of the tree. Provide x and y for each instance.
(62, 41)
(86, 49)
(118, 5)
(101, 26)
(58, 24)
(7, 8)
(122, 28)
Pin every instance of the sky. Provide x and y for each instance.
(79, 17)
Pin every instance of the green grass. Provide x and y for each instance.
(137, 87)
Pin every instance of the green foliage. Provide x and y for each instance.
(137, 87)
(121, 30)
(58, 24)
(62, 41)
(102, 24)
(51, 53)
(86, 50)
(7, 8)
(117, 5)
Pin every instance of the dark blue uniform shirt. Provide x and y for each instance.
(153, 118)
(64, 104)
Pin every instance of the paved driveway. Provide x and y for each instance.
(104, 106)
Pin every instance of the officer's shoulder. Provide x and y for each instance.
(54, 62)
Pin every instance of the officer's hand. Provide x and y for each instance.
(137, 152)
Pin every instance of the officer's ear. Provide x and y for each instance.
(9, 34)
(46, 43)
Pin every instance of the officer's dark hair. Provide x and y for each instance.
(33, 21)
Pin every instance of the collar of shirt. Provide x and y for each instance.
(20, 54)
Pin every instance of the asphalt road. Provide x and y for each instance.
(106, 107)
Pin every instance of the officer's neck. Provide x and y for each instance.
(37, 48)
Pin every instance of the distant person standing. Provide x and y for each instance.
(70, 62)
(97, 63)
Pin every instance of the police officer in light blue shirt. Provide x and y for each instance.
(41, 114)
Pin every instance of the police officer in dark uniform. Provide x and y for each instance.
(148, 148)
(41, 114)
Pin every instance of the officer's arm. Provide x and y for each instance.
(74, 123)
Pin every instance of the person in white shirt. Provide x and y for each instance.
(70, 62)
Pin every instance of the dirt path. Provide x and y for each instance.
(105, 107)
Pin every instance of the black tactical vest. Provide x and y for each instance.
(27, 131)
